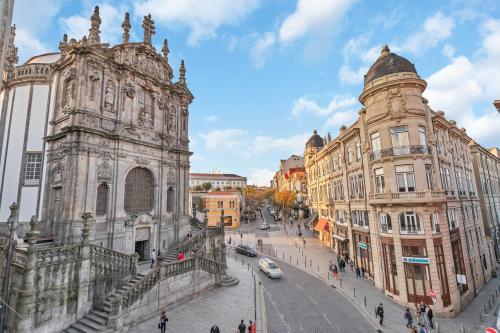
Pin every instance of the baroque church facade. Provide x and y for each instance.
(97, 129)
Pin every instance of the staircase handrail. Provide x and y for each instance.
(113, 261)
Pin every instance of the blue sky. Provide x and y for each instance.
(265, 73)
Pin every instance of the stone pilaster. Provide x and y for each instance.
(84, 270)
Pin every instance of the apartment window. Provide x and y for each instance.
(220, 204)
(448, 178)
(349, 155)
(452, 220)
(32, 168)
(428, 177)
(422, 136)
(375, 139)
(360, 218)
(385, 222)
(405, 178)
(435, 223)
(358, 151)
(399, 140)
(444, 183)
(360, 186)
(460, 182)
(379, 180)
(410, 223)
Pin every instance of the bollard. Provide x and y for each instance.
(305, 264)
(340, 283)
(305, 259)
(318, 268)
(480, 315)
(485, 309)
(354, 292)
(290, 258)
(463, 329)
(365, 300)
(489, 304)
(310, 263)
(297, 261)
(283, 255)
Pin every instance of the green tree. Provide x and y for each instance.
(207, 186)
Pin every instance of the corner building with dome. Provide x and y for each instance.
(100, 129)
(395, 192)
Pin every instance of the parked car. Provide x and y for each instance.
(270, 268)
(246, 250)
(264, 226)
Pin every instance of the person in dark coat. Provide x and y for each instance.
(242, 327)
(380, 313)
(215, 329)
(430, 316)
(163, 322)
(409, 318)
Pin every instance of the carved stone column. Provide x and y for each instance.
(26, 297)
(84, 270)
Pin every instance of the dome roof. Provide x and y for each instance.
(315, 141)
(46, 58)
(388, 63)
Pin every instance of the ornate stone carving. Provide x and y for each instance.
(142, 161)
(126, 28)
(95, 23)
(88, 120)
(109, 96)
(104, 172)
(144, 119)
(94, 77)
(171, 176)
(56, 177)
(162, 102)
(149, 29)
(172, 119)
(395, 103)
(128, 89)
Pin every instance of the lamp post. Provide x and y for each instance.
(12, 220)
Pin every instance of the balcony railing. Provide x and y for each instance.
(400, 151)
(408, 196)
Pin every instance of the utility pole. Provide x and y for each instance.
(12, 220)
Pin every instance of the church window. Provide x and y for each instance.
(33, 168)
(139, 191)
(101, 205)
(170, 200)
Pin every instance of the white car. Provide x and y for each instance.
(270, 268)
(264, 226)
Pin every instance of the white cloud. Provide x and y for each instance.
(458, 87)
(306, 104)
(313, 16)
(203, 18)
(261, 49)
(260, 177)
(29, 45)
(352, 76)
(436, 29)
(449, 51)
(77, 26)
(211, 119)
(340, 118)
(230, 139)
(293, 144)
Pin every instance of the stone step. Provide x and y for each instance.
(101, 314)
(71, 330)
(79, 327)
(93, 326)
(96, 319)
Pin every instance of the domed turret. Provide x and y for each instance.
(315, 141)
(388, 63)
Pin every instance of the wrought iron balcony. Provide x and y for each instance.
(400, 151)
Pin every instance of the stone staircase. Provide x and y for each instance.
(97, 319)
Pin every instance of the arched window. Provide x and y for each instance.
(385, 222)
(410, 223)
(101, 205)
(170, 199)
(139, 191)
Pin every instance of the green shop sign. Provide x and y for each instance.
(363, 246)
(415, 260)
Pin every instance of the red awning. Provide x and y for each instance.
(322, 225)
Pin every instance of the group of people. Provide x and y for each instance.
(424, 315)
(242, 327)
(260, 242)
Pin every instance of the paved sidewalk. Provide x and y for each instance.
(222, 306)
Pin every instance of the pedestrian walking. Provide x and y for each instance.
(422, 308)
(162, 325)
(351, 263)
(362, 272)
(242, 327)
(430, 316)
(342, 265)
(380, 314)
(417, 313)
(241, 237)
(215, 329)
(358, 272)
(229, 241)
(153, 257)
(180, 256)
(408, 317)
(252, 328)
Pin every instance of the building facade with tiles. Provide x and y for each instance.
(227, 204)
(396, 192)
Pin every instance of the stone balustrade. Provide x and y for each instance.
(31, 70)
(58, 255)
(115, 262)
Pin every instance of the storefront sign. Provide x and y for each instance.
(363, 246)
(461, 279)
(416, 260)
